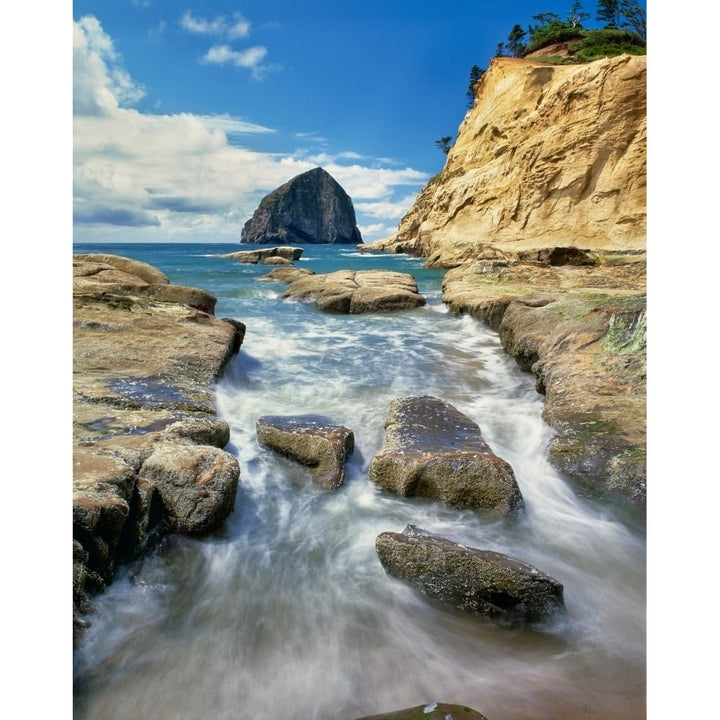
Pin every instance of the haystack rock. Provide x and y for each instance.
(311, 208)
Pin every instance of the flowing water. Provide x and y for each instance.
(287, 613)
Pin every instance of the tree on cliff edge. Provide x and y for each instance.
(475, 74)
(444, 143)
(514, 42)
(608, 11)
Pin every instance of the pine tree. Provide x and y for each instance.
(514, 41)
(608, 11)
(635, 17)
(445, 143)
(475, 74)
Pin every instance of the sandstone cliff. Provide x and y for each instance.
(548, 156)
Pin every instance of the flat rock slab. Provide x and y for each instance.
(268, 256)
(313, 441)
(351, 291)
(430, 711)
(479, 581)
(432, 450)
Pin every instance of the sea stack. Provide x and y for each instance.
(310, 208)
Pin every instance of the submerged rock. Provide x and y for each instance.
(430, 711)
(480, 581)
(310, 208)
(311, 440)
(351, 291)
(432, 450)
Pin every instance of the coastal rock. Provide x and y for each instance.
(309, 208)
(430, 711)
(548, 155)
(311, 440)
(264, 255)
(479, 581)
(351, 291)
(432, 450)
(581, 331)
(145, 357)
(196, 484)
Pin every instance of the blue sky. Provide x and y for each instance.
(186, 114)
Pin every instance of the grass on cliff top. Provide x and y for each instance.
(591, 45)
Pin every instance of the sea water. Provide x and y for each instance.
(286, 612)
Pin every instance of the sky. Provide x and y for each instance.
(186, 114)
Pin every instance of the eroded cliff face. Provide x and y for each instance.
(548, 156)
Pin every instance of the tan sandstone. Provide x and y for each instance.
(549, 155)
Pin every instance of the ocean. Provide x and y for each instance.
(286, 611)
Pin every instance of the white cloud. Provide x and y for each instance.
(100, 83)
(237, 27)
(387, 209)
(234, 126)
(155, 177)
(222, 54)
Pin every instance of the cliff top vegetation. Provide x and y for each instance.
(623, 30)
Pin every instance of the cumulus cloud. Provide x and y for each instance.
(178, 176)
(100, 83)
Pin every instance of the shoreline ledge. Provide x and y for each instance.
(148, 455)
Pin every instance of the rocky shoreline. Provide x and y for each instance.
(576, 319)
(148, 448)
(148, 454)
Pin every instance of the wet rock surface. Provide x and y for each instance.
(311, 440)
(309, 208)
(434, 451)
(268, 256)
(351, 291)
(581, 330)
(147, 447)
(430, 711)
(480, 581)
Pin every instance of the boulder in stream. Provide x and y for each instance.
(432, 450)
(480, 581)
(311, 440)
(351, 291)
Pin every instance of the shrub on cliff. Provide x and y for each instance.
(607, 43)
(555, 31)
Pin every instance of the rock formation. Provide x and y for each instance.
(582, 332)
(540, 214)
(550, 155)
(432, 450)
(310, 208)
(147, 447)
(267, 256)
(311, 440)
(479, 581)
(351, 291)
